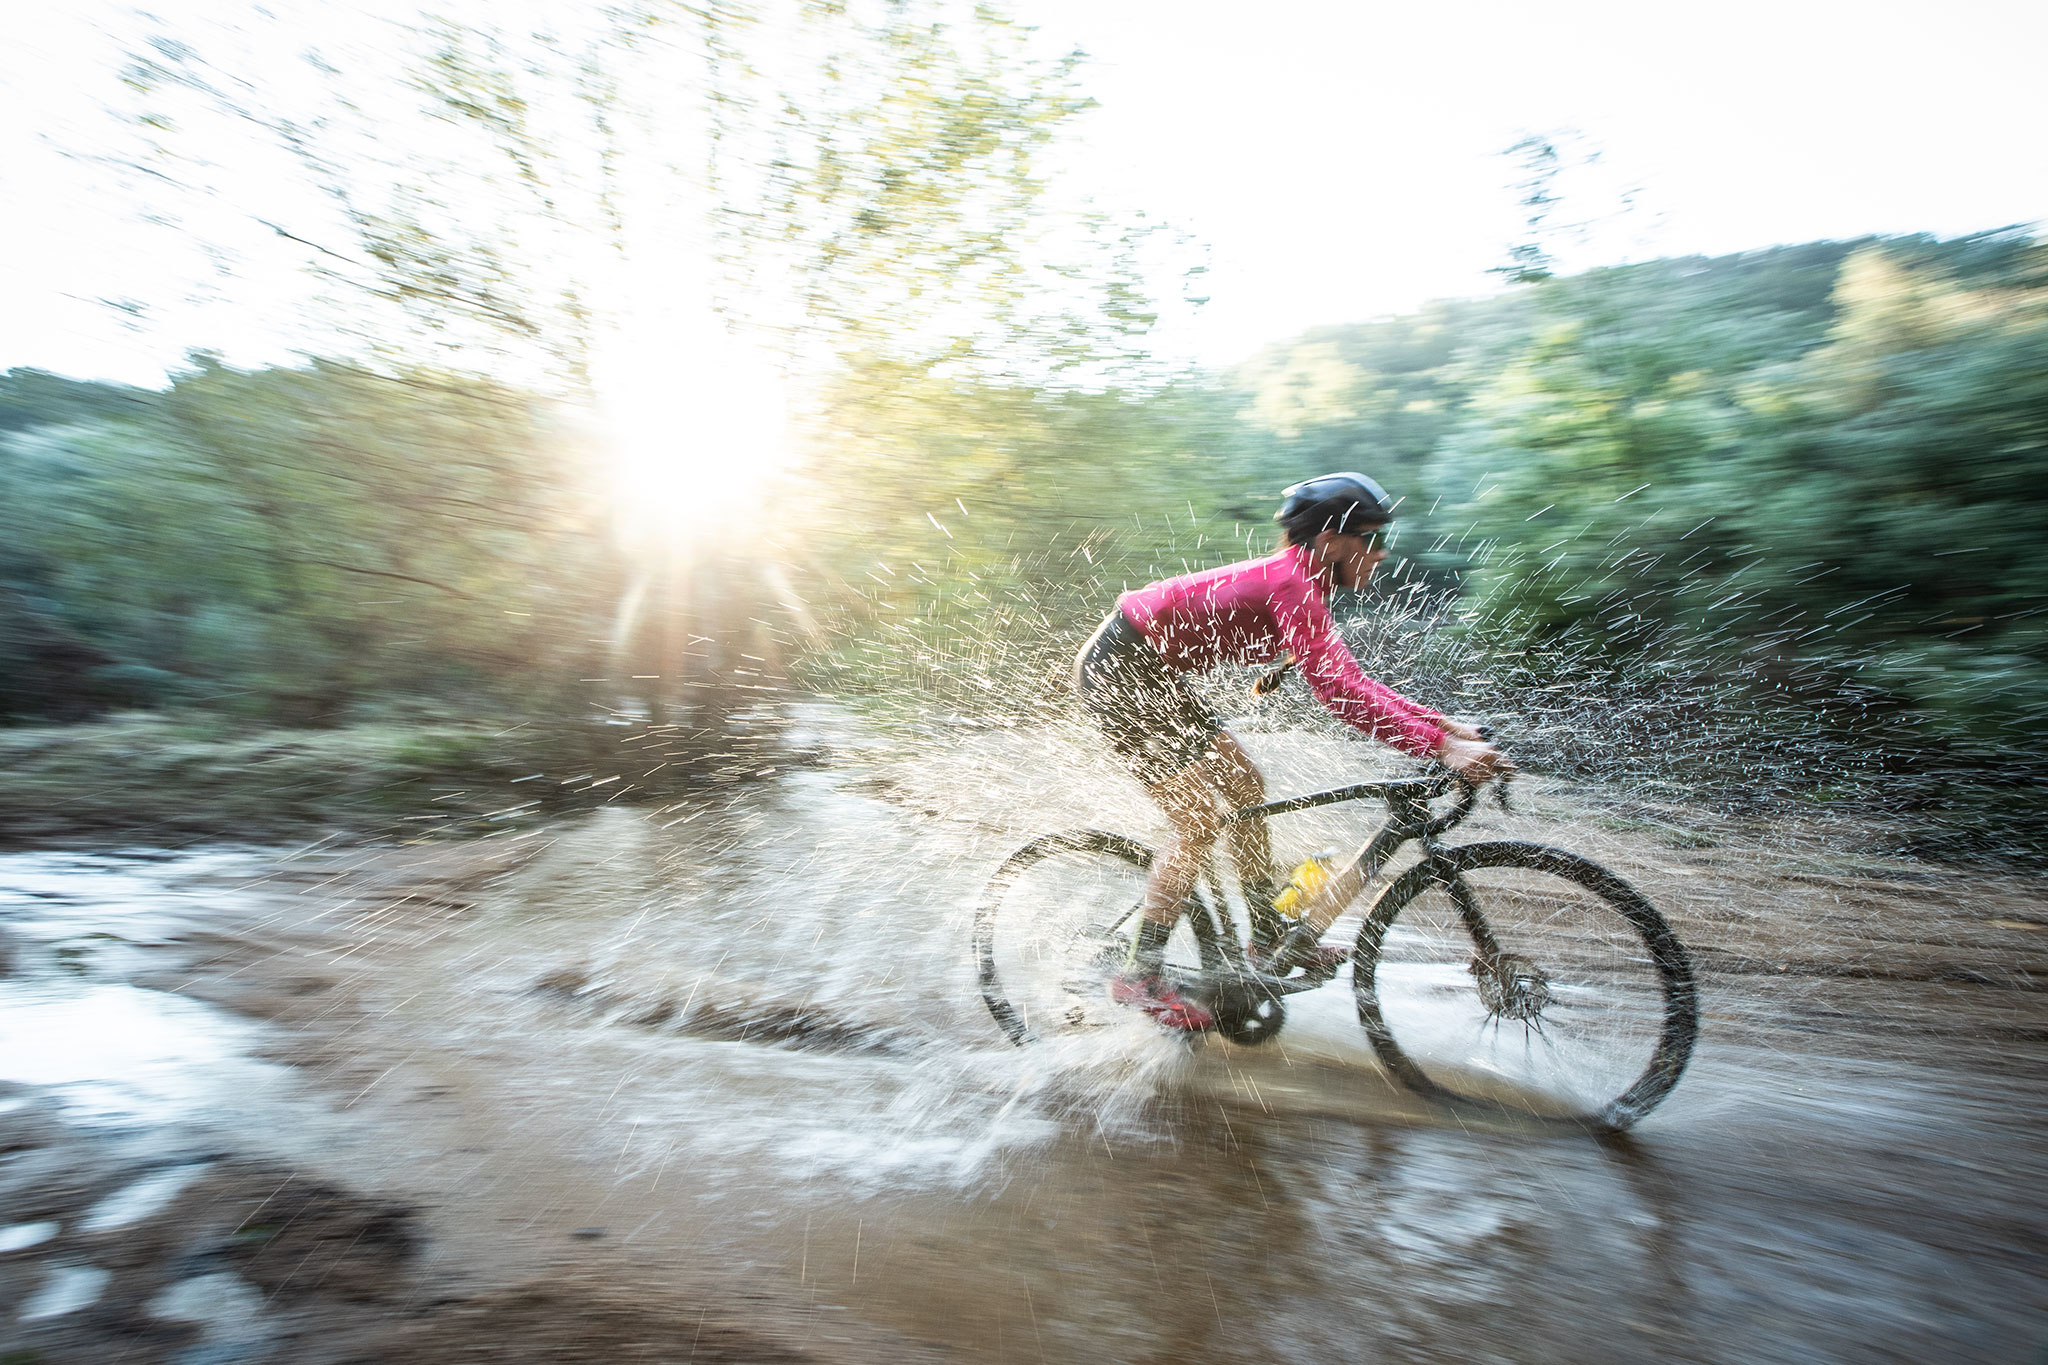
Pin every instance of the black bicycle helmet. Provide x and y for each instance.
(1346, 503)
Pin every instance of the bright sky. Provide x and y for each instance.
(1341, 158)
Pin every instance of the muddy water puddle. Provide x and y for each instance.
(74, 930)
(732, 1052)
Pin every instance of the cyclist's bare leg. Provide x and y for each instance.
(1194, 821)
(1242, 784)
(1189, 800)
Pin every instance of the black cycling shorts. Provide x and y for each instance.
(1153, 719)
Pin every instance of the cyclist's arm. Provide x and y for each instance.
(1473, 759)
(1333, 674)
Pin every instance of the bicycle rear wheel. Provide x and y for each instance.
(1055, 923)
(1511, 977)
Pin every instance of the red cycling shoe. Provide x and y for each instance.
(1158, 998)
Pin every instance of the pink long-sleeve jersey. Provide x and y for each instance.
(1254, 611)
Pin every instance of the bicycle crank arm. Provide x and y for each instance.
(1292, 985)
(1203, 984)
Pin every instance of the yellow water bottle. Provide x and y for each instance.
(1309, 877)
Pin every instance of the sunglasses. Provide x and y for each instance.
(1375, 539)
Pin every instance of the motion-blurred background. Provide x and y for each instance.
(400, 395)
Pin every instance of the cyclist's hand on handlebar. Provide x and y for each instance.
(1458, 729)
(1473, 759)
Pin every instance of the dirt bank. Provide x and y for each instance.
(168, 779)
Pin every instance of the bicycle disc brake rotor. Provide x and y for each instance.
(1511, 987)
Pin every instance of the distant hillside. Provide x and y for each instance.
(1388, 391)
(35, 398)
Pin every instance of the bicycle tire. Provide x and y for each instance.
(1582, 1013)
(1052, 922)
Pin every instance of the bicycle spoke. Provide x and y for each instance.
(1527, 981)
(1054, 927)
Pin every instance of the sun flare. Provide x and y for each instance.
(694, 431)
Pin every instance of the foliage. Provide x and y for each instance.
(1769, 515)
(854, 180)
(1782, 504)
(33, 398)
(1853, 504)
(905, 219)
(964, 532)
(604, 211)
(294, 542)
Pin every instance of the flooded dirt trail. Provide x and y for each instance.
(713, 1082)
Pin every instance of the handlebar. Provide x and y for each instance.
(1404, 791)
(1403, 795)
(1468, 797)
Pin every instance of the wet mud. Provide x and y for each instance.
(713, 1083)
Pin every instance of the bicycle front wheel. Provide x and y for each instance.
(1511, 977)
(1055, 923)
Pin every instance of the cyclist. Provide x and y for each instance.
(1130, 679)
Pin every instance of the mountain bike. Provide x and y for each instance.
(1498, 978)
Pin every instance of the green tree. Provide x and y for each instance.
(1911, 468)
(296, 542)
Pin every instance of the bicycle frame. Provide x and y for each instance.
(1636, 995)
(1408, 819)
